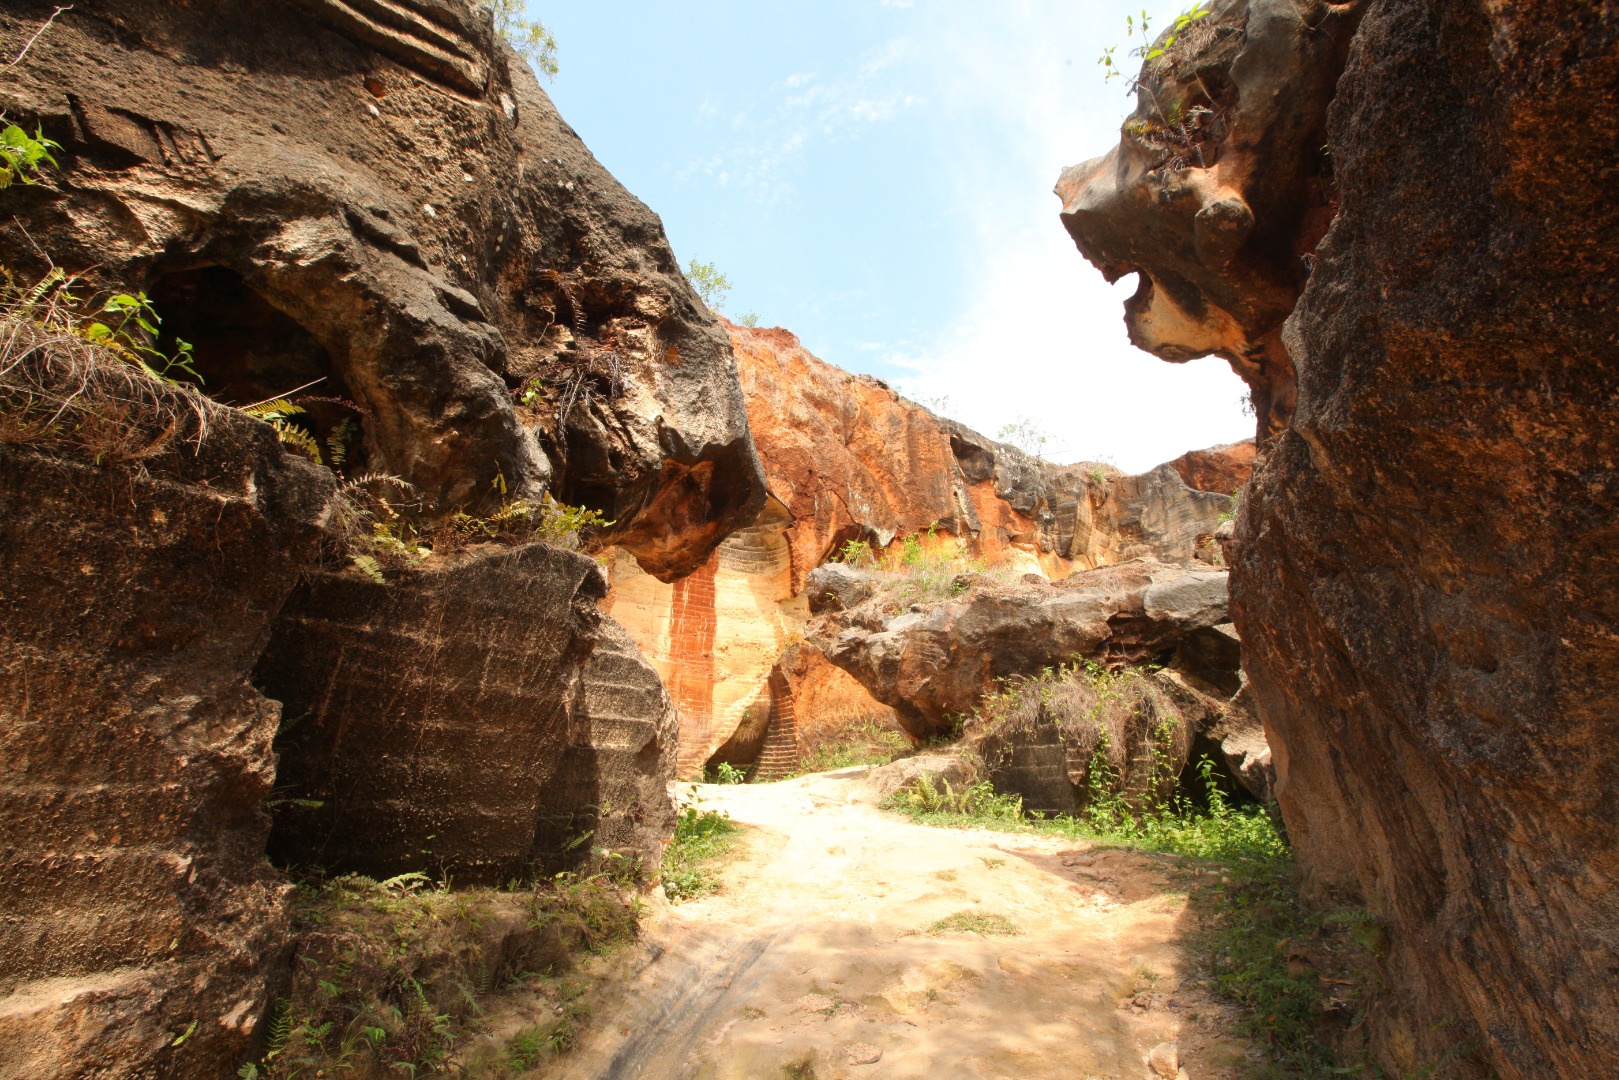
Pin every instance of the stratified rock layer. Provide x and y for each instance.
(1422, 570)
(379, 200)
(848, 459)
(459, 721)
(136, 902)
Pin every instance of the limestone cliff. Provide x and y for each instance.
(1422, 569)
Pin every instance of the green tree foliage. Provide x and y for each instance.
(529, 37)
(710, 284)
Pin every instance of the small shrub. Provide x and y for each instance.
(529, 37)
(710, 284)
(701, 837)
(726, 773)
(924, 801)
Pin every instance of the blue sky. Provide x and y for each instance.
(875, 175)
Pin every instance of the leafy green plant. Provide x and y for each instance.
(1236, 505)
(88, 376)
(924, 800)
(857, 553)
(710, 284)
(726, 773)
(701, 837)
(1149, 52)
(22, 154)
(750, 320)
(529, 37)
(279, 413)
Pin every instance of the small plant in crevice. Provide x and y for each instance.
(88, 376)
(529, 37)
(574, 378)
(711, 285)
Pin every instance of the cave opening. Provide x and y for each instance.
(247, 351)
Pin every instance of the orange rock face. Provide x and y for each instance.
(849, 458)
(1219, 468)
(846, 458)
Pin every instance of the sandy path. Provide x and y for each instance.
(817, 959)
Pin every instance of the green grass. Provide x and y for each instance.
(391, 977)
(1255, 943)
(701, 837)
(982, 923)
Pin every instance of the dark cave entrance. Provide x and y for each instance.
(248, 351)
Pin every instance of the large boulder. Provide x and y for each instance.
(379, 200)
(141, 920)
(1422, 568)
(935, 662)
(467, 719)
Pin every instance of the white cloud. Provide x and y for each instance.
(1043, 335)
(815, 107)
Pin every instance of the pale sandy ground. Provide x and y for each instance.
(816, 958)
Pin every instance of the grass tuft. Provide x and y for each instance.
(390, 977)
(982, 923)
(701, 837)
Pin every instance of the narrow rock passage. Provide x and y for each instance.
(824, 956)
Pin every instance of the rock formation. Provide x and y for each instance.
(935, 662)
(463, 719)
(1221, 182)
(375, 209)
(383, 199)
(846, 458)
(1422, 570)
(141, 920)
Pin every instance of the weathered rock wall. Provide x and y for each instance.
(467, 719)
(386, 201)
(1422, 570)
(936, 661)
(136, 903)
(1425, 581)
(846, 458)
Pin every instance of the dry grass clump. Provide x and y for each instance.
(1124, 739)
(842, 743)
(392, 977)
(79, 383)
(922, 568)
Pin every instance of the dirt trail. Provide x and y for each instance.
(818, 959)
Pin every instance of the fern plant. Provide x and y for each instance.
(278, 413)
